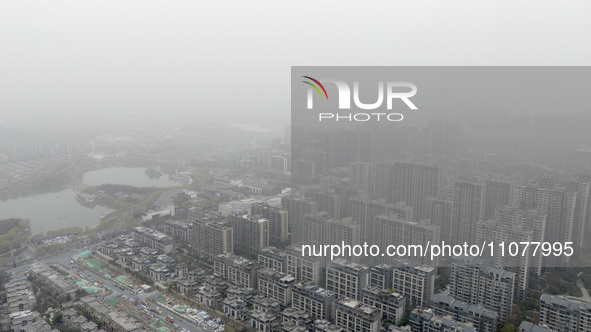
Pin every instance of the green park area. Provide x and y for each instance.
(13, 234)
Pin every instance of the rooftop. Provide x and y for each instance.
(357, 305)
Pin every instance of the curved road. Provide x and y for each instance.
(183, 173)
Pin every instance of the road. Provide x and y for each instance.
(63, 170)
(91, 152)
(183, 323)
(183, 173)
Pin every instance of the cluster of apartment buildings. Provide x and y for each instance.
(72, 319)
(93, 309)
(112, 319)
(52, 281)
(351, 293)
(145, 250)
(389, 202)
(287, 291)
(343, 292)
(413, 191)
(242, 231)
(415, 203)
(20, 308)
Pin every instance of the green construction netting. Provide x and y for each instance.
(83, 254)
(123, 279)
(158, 325)
(112, 301)
(182, 309)
(95, 264)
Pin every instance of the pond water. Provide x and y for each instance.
(60, 209)
(52, 211)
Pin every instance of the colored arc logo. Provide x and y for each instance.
(316, 87)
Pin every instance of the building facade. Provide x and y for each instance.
(346, 279)
(313, 299)
(355, 316)
(415, 282)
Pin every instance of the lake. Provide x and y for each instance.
(61, 209)
(52, 211)
(131, 176)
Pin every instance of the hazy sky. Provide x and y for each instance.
(230, 60)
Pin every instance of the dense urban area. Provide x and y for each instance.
(218, 246)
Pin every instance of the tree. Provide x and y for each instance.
(180, 199)
(80, 293)
(530, 304)
(58, 318)
(515, 317)
(508, 328)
